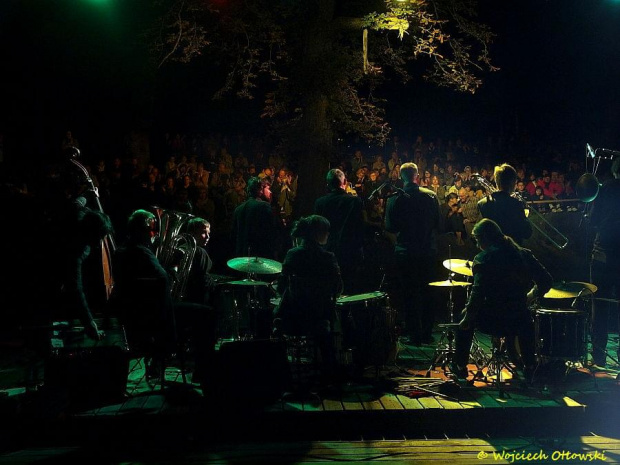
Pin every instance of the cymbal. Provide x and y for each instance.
(256, 265)
(564, 290)
(459, 266)
(248, 282)
(449, 283)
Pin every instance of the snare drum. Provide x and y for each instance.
(561, 334)
(367, 324)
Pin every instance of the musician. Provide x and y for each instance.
(142, 291)
(200, 282)
(254, 224)
(505, 210)
(309, 284)
(345, 215)
(84, 229)
(143, 299)
(504, 274)
(414, 216)
(605, 262)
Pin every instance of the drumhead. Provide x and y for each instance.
(361, 297)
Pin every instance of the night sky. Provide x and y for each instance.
(77, 64)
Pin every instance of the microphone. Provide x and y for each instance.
(590, 151)
(372, 195)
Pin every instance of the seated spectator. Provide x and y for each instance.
(452, 216)
(378, 164)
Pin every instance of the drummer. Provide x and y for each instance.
(498, 303)
(309, 284)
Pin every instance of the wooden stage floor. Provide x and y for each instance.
(391, 414)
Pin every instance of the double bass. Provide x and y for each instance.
(108, 246)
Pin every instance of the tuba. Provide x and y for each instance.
(176, 249)
(549, 231)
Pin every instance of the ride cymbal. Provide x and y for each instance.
(570, 290)
(459, 266)
(256, 265)
(449, 283)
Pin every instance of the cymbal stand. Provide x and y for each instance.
(444, 351)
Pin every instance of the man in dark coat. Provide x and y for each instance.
(254, 224)
(508, 212)
(413, 215)
(345, 215)
(605, 264)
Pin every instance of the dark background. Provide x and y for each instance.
(80, 65)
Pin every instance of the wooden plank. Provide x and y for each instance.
(370, 402)
(313, 404)
(332, 405)
(484, 399)
(569, 402)
(390, 402)
(351, 404)
(449, 404)
(409, 403)
(467, 400)
(429, 403)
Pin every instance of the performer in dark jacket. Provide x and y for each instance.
(508, 212)
(504, 278)
(345, 215)
(200, 282)
(254, 225)
(413, 215)
(605, 264)
(309, 285)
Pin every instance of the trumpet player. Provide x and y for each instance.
(499, 205)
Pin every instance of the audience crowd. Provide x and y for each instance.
(206, 175)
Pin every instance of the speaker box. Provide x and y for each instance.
(256, 371)
(91, 372)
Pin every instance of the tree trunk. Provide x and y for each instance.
(315, 133)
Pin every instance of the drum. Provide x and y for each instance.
(561, 334)
(243, 311)
(367, 324)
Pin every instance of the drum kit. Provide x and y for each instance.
(561, 334)
(245, 304)
(445, 348)
(366, 322)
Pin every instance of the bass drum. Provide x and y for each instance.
(561, 334)
(243, 312)
(367, 325)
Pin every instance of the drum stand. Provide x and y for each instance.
(444, 352)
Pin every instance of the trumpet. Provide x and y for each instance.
(549, 231)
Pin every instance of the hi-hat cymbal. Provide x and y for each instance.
(248, 282)
(570, 290)
(256, 265)
(459, 266)
(449, 283)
